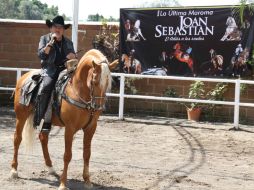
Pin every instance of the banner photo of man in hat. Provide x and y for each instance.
(54, 49)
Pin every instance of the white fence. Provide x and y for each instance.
(236, 103)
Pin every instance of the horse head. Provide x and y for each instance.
(231, 22)
(92, 78)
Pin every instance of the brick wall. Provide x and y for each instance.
(157, 87)
(19, 43)
(18, 48)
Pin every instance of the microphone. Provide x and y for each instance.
(53, 38)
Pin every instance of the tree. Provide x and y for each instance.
(27, 9)
(95, 17)
(8, 8)
(244, 6)
(101, 18)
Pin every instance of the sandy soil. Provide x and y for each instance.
(140, 153)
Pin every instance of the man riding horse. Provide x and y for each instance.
(54, 48)
(81, 99)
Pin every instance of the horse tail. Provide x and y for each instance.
(28, 134)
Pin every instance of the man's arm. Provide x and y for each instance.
(70, 51)
(44, 48)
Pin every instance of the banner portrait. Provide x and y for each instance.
(193, 41)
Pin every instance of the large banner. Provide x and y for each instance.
(194, 41)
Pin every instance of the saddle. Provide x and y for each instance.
(31, 88)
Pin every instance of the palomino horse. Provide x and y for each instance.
(87, 86)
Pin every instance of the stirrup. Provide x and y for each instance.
(46, 128)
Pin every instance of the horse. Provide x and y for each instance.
(216, 60)
(181, 56)
(130, 64)
(87, 86)
(138, 30)
(213, 66)
(235, 35)
(240, 66)
(134, 32)
(232, 33)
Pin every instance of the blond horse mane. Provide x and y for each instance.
(97, 57)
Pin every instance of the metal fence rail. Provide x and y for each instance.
(236, 103)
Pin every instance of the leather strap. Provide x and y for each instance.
(82, 105)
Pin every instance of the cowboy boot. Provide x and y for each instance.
(41, 107)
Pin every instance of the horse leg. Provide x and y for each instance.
(68, 137)
(224, 37)
(44, 144)
(138, 69)
(17, 140)
(88, 135)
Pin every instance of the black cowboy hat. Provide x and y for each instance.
(57, 21)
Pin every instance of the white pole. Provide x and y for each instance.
(237, 104)
(18, 73)
(121, 99)
(75, 8)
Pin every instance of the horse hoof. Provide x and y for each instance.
(88, 185)
(63, 188)
(51, 171)
(14, 174)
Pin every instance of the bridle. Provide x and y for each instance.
(81, 103)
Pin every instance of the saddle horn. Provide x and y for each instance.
(71, 65)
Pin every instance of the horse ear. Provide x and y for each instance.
(95, 64)
(113, 65)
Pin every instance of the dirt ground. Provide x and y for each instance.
(140, 153)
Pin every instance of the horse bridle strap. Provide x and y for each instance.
(82, 105)
(91, 105)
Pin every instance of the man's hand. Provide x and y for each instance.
(50, 43)
(53, 40)
(54, 36)
(71, 56)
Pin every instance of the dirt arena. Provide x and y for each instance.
(140, 153)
